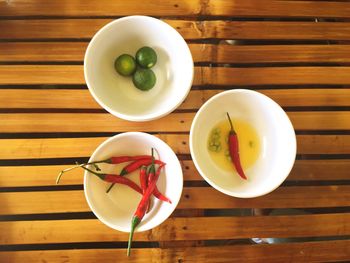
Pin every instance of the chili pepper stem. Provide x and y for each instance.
(229, 119)
(152, 156)
(100, 175)
(134, 223)
(110, 188)
(77, 166)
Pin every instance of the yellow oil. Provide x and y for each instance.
(248, 141)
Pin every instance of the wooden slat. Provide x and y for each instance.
(73, 74)
(86, 28)
(42, 51)
(84, 147)
(283, 197)
(192, 198)
(74, 52)
(271, 75)
(46, 122)
(28, 232)
(284, 97)
(59, 98)
(319, 120)
(303, 170)
(82, 99)
(270, 53)
(300, 252)
(176, 122)
(41, 74)
(320, 170)
(237, 8)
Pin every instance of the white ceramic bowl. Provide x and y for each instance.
(117, 94)
(116, 208)
(275, 131)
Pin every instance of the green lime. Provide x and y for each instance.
(146, 57)
(125, 65)
(144, 79)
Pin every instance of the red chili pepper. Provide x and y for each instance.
(160, 196)
(137, 164)
(114, 178)
(133, 167)
(123, 159)
(143, 178)
(234, 150)
(157, 193)
(143, 182)
(142, 207)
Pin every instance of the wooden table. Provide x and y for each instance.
(296, 52)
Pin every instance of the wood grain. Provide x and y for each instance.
(45, 175)
(86, 122)
(271, 75)
(301, 252)
(82, 99)
(320, 170)
(29, 232)
(42, 44)
(208, 53)
(178, 8)
(42, 51)
(84, 29)
(84, 147)
(73, 74)
(269, 53)
(176, 122)
(192, 198)
(284, 97)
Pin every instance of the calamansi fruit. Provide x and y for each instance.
(125, 65)
(146, 57)
(144, 79)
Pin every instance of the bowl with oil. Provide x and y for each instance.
(266, 139)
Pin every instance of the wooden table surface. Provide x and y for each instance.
(296, 52)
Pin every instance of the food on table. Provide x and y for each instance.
(143, 77)
(140, 212)
(219, 144)
(146, 57)
(148, 181)
(115, 178)
(125, 65)
(233, 147)
(134, 166)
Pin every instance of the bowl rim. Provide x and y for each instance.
(174, 203)
(139, 117)
(293, 144)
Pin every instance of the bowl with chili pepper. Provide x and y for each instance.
(242, 143)
(119, 80)
(119, 174)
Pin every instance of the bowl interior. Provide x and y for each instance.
(116, 208)
(275, 131)
(174, 68)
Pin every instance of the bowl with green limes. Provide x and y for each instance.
(138, 68)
